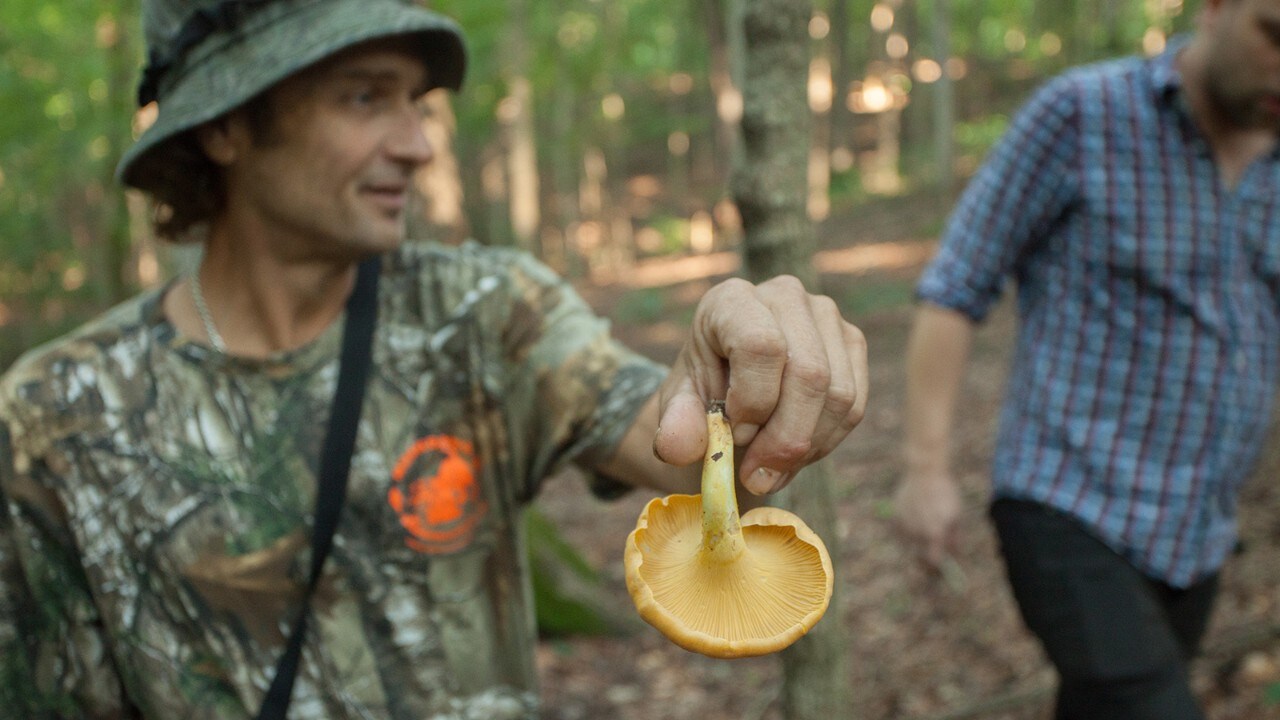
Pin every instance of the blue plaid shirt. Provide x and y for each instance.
(1149, 312)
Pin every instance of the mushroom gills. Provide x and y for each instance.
(777, 579)
(722, 585)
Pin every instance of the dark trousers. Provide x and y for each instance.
(1119, 640)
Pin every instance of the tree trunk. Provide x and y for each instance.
(516, 113)
(816, 668)
(496, 208)
(821, 91)
(440, 195)
(724, 33)
(770, 183)
(563, 173)
(840, 144)
(617, 252)
(590, 231)
(943, 99)
(770, 187)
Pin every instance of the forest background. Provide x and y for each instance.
(592, 132)
(602, 135)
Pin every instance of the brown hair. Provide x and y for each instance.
(187, 187)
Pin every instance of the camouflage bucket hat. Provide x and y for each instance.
(207, 57)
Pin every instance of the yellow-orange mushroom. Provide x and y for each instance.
(721, 585)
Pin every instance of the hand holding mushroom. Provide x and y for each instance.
(792, 373)
(721, 585)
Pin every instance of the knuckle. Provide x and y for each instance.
(731, 286)
(722, 292)
(853, 417)
(784, 283)
(811, 374)
(791, 451)
(763, 342)
(824, 304)
(856, 336)
(841, 400)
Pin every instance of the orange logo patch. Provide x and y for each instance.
(436, 495)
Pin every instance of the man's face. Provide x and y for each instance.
(332, 176)
(1243, 68)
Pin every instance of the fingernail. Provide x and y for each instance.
(763, 480)
(744, 433)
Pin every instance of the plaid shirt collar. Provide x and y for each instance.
(1165, 78)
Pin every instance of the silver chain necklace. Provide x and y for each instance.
(215, 338)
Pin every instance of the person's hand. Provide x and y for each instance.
(792, 373)
(927, 507)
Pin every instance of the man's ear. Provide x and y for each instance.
(221, 139)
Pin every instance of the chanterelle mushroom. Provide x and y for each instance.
(719, 586)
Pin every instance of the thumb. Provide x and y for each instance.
(682, 428)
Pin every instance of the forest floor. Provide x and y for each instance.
(923, 646)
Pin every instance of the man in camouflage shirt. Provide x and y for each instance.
(158, 466)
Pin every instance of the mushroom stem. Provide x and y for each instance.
(721, 529)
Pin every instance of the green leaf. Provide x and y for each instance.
(546, 541)
(569, 598)
(1271, 695)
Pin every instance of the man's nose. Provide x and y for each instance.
(408, 142)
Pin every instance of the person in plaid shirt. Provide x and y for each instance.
(1135, 204)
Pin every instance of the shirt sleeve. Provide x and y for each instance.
(585, 387)
(1023, 188)
(55, 657)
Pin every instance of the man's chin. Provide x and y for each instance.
(387, 236)
(386, 245)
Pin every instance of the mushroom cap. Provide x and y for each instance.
(760, 603)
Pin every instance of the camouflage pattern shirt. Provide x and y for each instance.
(158, 497)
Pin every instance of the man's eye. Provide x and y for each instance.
(363, 98)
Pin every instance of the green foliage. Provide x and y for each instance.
(674, 230)
(1271, 695)
(866, 295)
(559, 615)
(846, 188)
(565, 586)
(70, 70)
(64, 124)
(544, 536)
(978, 136)
(641, 307)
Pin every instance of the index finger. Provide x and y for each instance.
(747, 346)
(788, 438)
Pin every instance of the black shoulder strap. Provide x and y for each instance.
(335, 461)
